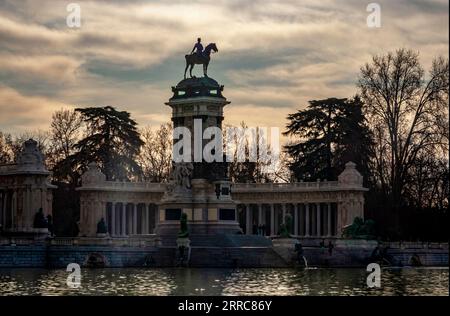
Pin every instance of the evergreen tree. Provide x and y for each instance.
(112, 141)
(328, 134)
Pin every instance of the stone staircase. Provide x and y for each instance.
(220, 240)
(229, 251)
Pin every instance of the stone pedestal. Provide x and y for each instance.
(207, 212)
(204, 194)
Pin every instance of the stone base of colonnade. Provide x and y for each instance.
(326, 251)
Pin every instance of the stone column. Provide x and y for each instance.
(112, 225)
(129, 220)
(144, 223)
(295, 219)
(14, 209)
(156, 211)
(329, 219)
(3, 208)
(319, 233)
(248, 224)
(272, 220)
(260, 214)
(123, 231)
(134, 231)
(307, 220)
(283, 219)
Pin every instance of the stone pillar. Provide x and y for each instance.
(329, 219)
(248, 224)
(283, 219)
(135, 223)
(260, 215)
(128, 220)
(156, 211)
(4, 209)
(319, 233)
(112, 225)
(272, 220)
(295, 219)
(14, 209)
(307, 219)
(144, 221)
(123, 231)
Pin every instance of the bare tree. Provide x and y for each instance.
(403, 105)
(65, 131)
(155, 158)
(6, 149)
(40, 136)
(428, 182)
(254, 164)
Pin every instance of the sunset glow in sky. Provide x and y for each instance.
(273, 56)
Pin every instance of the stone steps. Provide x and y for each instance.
(220, 240)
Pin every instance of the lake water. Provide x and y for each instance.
(183, 281)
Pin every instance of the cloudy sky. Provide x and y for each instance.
(273, 56)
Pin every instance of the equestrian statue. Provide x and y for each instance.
(200, 57)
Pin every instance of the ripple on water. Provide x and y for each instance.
(239, 282)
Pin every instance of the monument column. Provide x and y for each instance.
(307, 223)
(248, 224)
(260, 214)
(272, 220)
(129, 220)
(112, 225)
(295, 219)
(199, 182)
(134, 219)
(319, 233)
(144, 229)
(329, 219)
(123, 208)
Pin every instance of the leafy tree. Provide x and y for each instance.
(112, 141)
(328, 134)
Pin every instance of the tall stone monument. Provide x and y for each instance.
(198, 188)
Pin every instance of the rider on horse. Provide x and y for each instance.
(200, 57)
(198, 47)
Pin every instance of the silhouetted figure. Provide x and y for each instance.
(198, 47)
(201, 57)
(330, 248)
(263, 230)
(299, 251)
(260, 230)
(102, 228)
(50, 225)
(39, 220)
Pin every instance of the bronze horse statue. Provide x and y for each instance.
(203, 59)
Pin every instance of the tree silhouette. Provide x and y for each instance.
(328, 134)
(112, 141)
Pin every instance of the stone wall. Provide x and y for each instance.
(345, 253)
(23, 256)
(358, 253)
